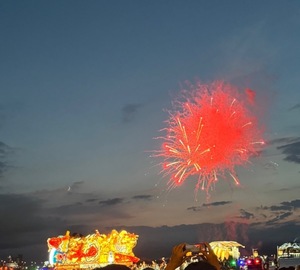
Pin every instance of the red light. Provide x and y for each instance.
(257, 261)
(249, 262)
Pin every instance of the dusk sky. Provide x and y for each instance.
(84, 89)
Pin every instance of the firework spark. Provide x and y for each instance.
(210, 131)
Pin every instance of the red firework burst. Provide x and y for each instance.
(210, 131)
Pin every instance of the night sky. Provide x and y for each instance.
(85, 87)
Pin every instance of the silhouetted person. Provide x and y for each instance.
(200, 265)
(209, 260)
(113, 267)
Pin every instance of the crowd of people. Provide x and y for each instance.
(181, 259)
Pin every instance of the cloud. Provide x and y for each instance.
(76, 207)
(288, 189)
(3, 167)
(195, 208)
(217, 203)
(81, 209)
(278, 213)
(26, 232)
(295, 204)
(23, 221)
(280, 208)
(5, 151)
(160, 240)
(283, 206)
(297, 106)
(289, 146)
(285, 140)
(279, 218)
(271, 165)
(199, 208)
(76, 185)
(12, 208)
(143, 197)
(27, 224)
(245, 214)
(91, 200)
(52, 213)
(292, 152)
(129, 111)
(110, 202)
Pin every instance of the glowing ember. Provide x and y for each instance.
(209, 132)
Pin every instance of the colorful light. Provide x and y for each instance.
(92, 250)
(233, 263)
(211, 129)
(257, 261)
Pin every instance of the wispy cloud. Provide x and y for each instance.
(280, 208)
(283, 206)
(287, 189)
(25, 214)
(110, 202)
(213, 204)
(289, 146)
(296, 107)
(271, 165)
(284, 140)
(91, 200)
(43, 222)
(5, 151)
(245, 215)
(129, 111)
(279, 212)
(142, 197)
(217, 203)
(279, 217)
(195, 208)
(76, 185)
(295, 203)
(292, 151)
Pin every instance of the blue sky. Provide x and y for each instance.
(84, 89)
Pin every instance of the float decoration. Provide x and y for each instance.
(225, 249)
(92, 250)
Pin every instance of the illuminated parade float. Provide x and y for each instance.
(94, 250)
(289, 250)
(226, 249)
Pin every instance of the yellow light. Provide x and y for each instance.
(99, 249)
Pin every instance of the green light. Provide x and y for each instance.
(233, 263)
